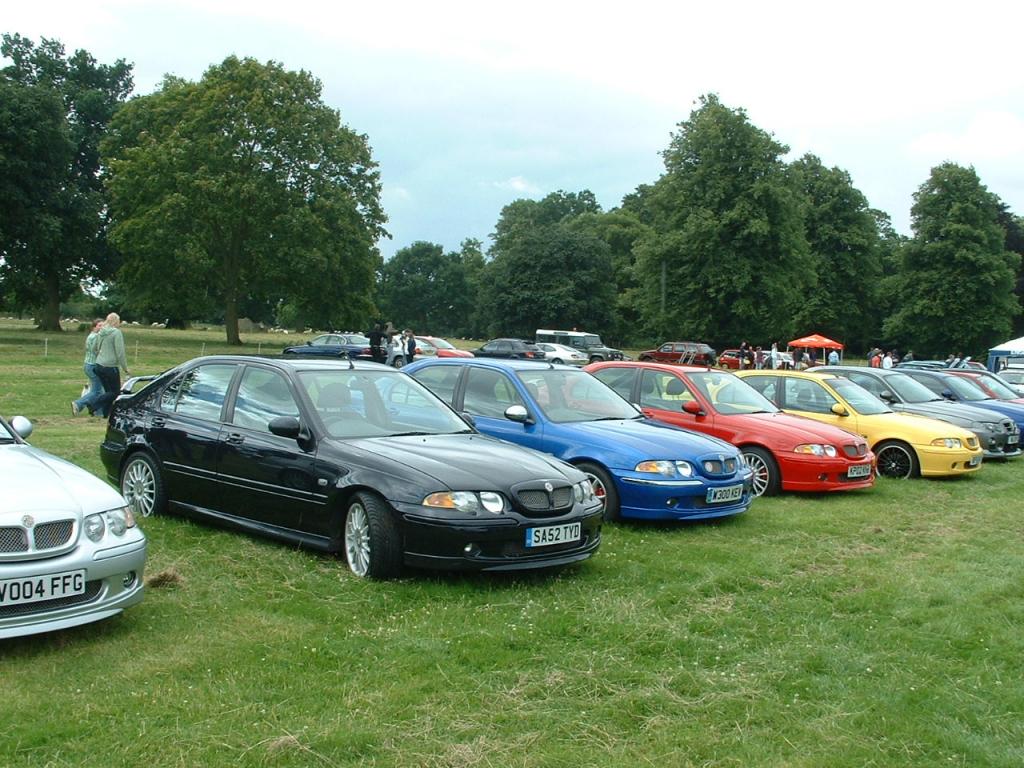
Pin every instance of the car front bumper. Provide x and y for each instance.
(939, 462)
(646, 497)
(816, 474)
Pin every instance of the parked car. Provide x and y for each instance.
(352, 345)
(589, 344)
(683, 352)
(70, 551)
(905, 445)
(730, 359)
(991, 384)
(354, 457)
(961, 389)
(510, 349)
(641, 469)
(784, 452)
(434, 346)
(998, 436)
(1014, 376)
(560, 354)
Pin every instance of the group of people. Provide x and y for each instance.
(390, 346)
(878, 358)
(774, 359)
(104, 360)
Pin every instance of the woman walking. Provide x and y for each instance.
(88, 399)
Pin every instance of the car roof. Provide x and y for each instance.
(487, 362)
(857, 369)
(294, 363)
(817, 376)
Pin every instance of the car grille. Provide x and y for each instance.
(44, 536)
(972, 442)
(540, 501)
(92, 590)
(724, 466)
(853, 451)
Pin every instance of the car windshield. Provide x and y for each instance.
(592, 340)
(862, 401)
(1014, 377)
(1000, 389)
(353, 403)
(910, 390)
(440, 343)
(568, 396)
(964, 388)
(731, 395)
(6, 434)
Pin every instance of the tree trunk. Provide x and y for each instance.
(231, 296)
(49, 313)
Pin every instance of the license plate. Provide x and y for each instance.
(37, 588)
(975, 461)
(553, 534)
(729, 493)
(1012, 439)
(859, 470)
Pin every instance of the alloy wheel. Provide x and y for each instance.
(762, 472)
(139, 488)
(357, 539)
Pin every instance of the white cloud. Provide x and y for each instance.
(988, 136)
(519, 185)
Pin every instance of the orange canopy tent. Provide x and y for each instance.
(816, 341)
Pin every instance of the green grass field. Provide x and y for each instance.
(878, 628)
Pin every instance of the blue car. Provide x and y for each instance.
(641, 469)
(352, 345)
(961, 389)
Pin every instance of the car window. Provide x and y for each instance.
(931, 382)
(489, 393)
(263, 395)
(619, 379)
(870, 383)
(666, 391)
(730, 394)
(909, 389)
(572, 395)
(200, 391)
(999, 389)
(809, 396)
(319, 341)
(665, 348)
(766, 385)
(858, 398)
(440, 379)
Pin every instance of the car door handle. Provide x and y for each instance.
(159, 421)
(235, 439)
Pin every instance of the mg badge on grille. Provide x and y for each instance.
(28, 521)
(549, 487)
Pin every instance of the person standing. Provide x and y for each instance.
(410, 345)
(376, 337)
(110, 361)
(887, 360)
(773, 356)
(833, 357)
(88, 399)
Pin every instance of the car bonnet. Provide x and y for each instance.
(645, 439)
(35, 481)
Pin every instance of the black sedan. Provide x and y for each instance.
(351, 456)
(333, 345)
(510, 349)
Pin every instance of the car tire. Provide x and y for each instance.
(397, 362)
(646, 359)
(142, 486)
(558, 361)
(896, 459)
(372, 542)
(767, 479)
(604, 488)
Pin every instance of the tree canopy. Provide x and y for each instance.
(54, 110)
(244, 184)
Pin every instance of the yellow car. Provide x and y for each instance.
(905, 445)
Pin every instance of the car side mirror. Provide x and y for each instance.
(286, 426)
(692, 406)
(518, 413)
(887, 396)
(840, 410)
(948, 394)
(22, 426)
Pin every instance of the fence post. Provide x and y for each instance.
(204, 350)
(46, 347)
(136, 350)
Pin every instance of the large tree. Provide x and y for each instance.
(728, 259)
(54, 110)
(845, 246)
(245, 185)
(955, 286)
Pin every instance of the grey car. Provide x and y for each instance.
(997, 434)
(70, 552)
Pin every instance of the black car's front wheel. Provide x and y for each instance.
(142, 486)
(896, 459)
(373, 546)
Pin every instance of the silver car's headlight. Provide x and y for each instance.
(984, 426)
(95, 527)
(116, 521)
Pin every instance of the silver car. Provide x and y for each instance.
(70, 552)
(560, 353)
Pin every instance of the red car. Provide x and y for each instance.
(433, 346)
(990, 384)
(688, 352)
(788, 453)
(730, 358)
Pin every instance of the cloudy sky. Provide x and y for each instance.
(469, 106)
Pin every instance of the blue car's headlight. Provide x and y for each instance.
(666, 468)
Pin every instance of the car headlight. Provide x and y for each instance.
(467, 502)
(666, 468)
(816, 449)
(584, 491)
(116, 521)
(95, 527)
(984, 426)
(947, 442)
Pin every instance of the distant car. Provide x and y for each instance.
(905, 445)
(682, 352)
(730, 359)
(962, 389)
(998, 436)
(589, 344)
(350, 345)
(70, 551)
(1014, 376)
(510, 349)
(433, 346)
(786, 453)
(560, 354)
(639, 467)
(991, 384)
(353, 457)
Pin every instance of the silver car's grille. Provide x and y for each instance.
(13, 539)
(52, 535)
(92, 591)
